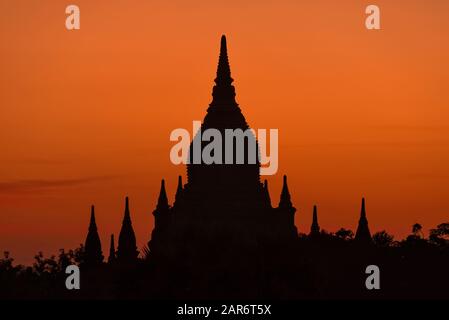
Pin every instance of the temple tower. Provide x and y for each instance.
(315, 227)
(127, 249)
(93, 254)
(363, 235)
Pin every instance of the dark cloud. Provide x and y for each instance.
(37, 185)
(369, 144)
(408, 128)
(42, 161)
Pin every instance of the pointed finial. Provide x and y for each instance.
(285, 195)
(126, 249)
(362, 211)
(315, 227)
(92, 245)
(92, 223)
(162, 202)
(179, 189)
(127, 214)
(315, 217)
(363, 233)
(223, 69)
(92, 214)
(223, 92)
(223, 47)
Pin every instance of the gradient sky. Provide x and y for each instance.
(86, 115)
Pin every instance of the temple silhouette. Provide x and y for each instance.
(221, 238)
(221, 230)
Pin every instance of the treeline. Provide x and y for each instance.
(328, 265)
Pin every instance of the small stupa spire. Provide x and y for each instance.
(362, 210)
(363, 234)
(223, 92)
(223, 69)
(315, 227)
(179, 190)
(285, 201)
(127, 215)
(127, 249)
(162, 202)
(92, 223)
(92, 246)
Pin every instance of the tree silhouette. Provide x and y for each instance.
(417, 230)
(344, 234)
(6, 262)
(440, 235)
(382, 239)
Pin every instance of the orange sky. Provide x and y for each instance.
(86, 115)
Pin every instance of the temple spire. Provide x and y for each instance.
(92, 223)
(127, 249)
(223, 92)
(162, 202)
(363, 234)
(162, 216)
(92, 246)
(223, 69)
(362, 211)
(179, 190)
(315, 227)
(111, 257)
(285, 201)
